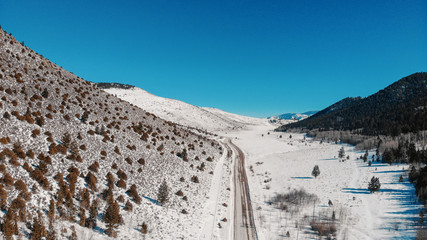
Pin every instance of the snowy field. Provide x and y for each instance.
(279, 165)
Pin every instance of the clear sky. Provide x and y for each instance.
(257, 58)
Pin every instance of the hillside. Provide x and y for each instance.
(179, 112)
(66, 142)
(398, 108)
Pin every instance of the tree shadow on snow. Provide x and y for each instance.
(302, 177)
(356, 190)
(390, 171)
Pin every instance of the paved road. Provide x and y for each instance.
(244, 226)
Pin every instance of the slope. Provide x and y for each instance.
(209, 119)
(63, 138)
(398, 108)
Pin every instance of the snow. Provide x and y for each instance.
(281, 165)
(209, 119)
(391, 213)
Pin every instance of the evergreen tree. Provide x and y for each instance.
(93, 214)
(3, 198)
(82, 214)
(413, 174)
(10, 225)
(163, 194)
(51, 212)
(316, 171)
(112, 215)
(341, 153)
(365, 156)
(51, 234)
(38, 230)
(374, 185)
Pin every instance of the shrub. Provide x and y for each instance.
(195, 179)
(323, 228)
(20, 185)
(94, 167)
(5, 140)
(116, 150)
(7, 179)
(122, 175)
(134, 194)
(144, 228)
(128, 160)
(128, 206)
(121, 184)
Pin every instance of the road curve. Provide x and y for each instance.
(244, 225)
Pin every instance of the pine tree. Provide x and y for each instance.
(82, 214)
(85, 196)
(38, 230)
(51, 234)
(3, 198)
(93, 214)
(69, 204)
(112, 215)
(374, 185)
(316, 171)
(341, 153)
(10, 225)
(365, 156)
(51, 212)
(163, 194)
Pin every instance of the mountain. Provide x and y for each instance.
(398, 108)
(179, 112)
(66, 142)
(294, 116)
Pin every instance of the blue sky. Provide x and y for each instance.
(257, 58)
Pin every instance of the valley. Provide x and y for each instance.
(278, 163)
(83, 160)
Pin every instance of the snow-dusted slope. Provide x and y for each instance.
(210, 119)
(67, 147)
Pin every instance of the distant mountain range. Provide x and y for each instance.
(294, 116)
(398, 108)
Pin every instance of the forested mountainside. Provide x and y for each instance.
(72, 155)
(398, 108)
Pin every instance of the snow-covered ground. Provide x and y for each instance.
(277, 164)
(281, 164)
(209, 119)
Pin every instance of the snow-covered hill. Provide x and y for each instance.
(72, 154)
(294, 116)
(210, 119)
